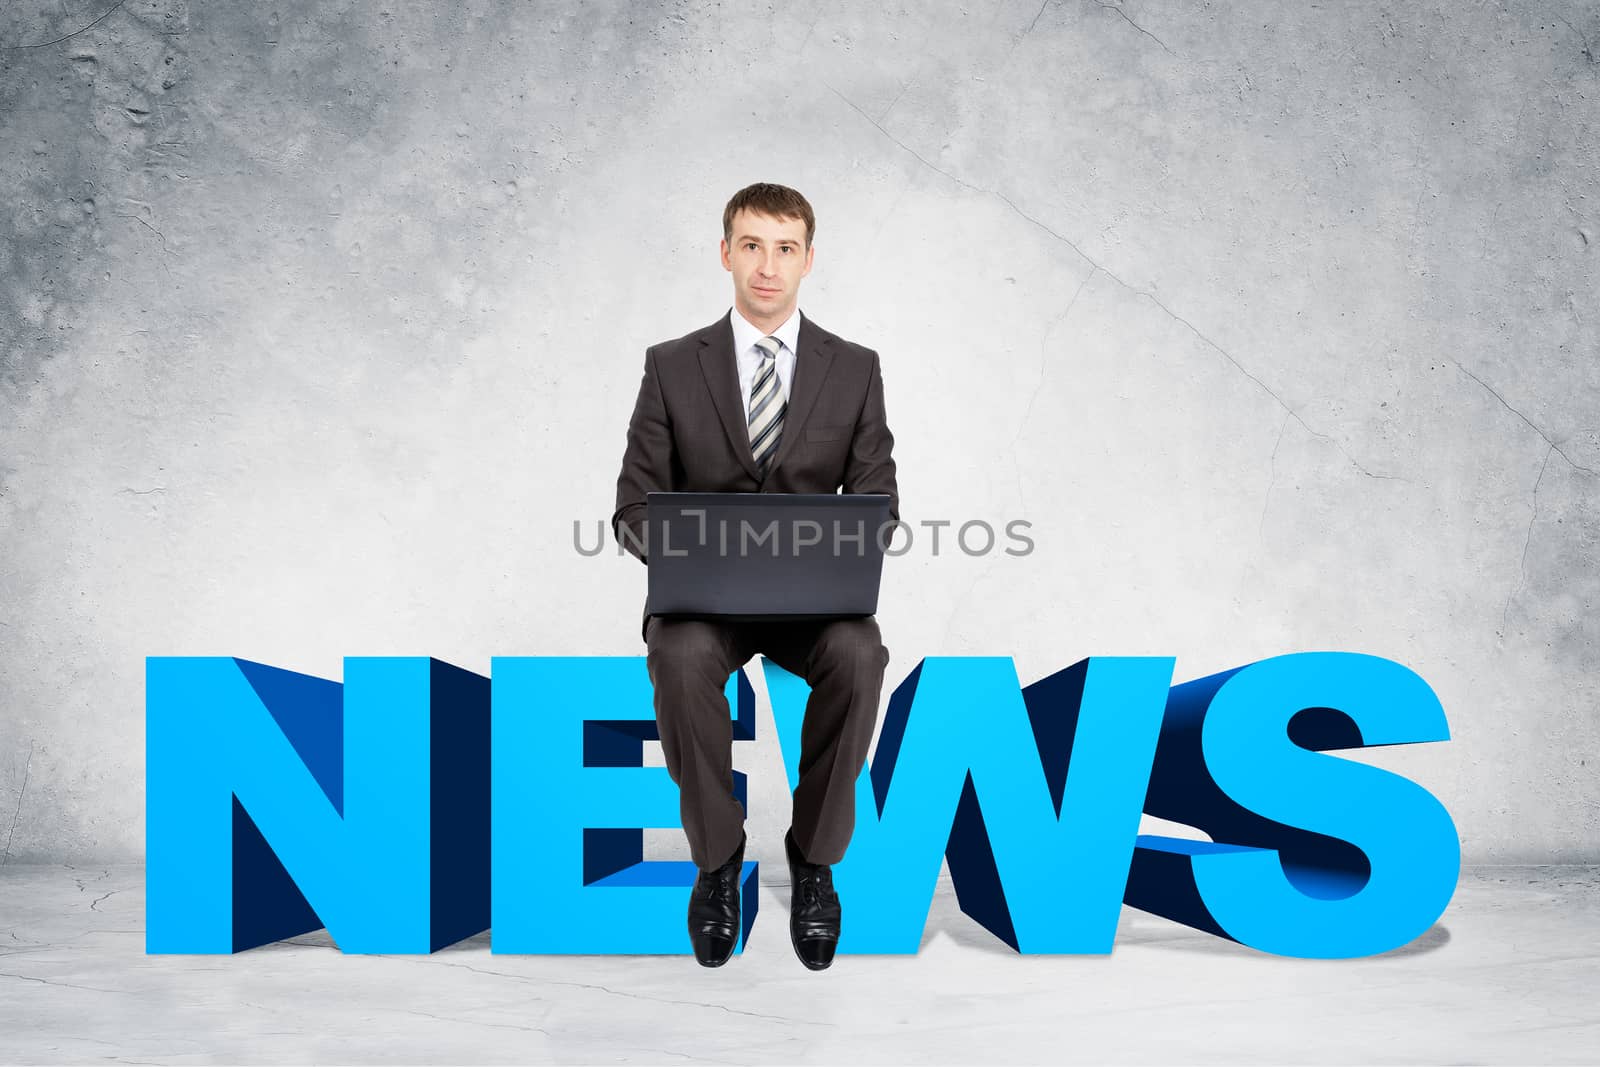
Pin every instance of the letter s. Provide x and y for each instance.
(1311, 855)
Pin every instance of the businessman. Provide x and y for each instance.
(762, 400)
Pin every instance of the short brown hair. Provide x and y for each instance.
(765, 198)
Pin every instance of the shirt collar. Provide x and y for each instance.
(745, 335)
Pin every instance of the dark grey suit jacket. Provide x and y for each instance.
(688, 430)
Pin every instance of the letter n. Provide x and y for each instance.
(278, 803)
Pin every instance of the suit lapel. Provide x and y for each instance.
(813, 356)
(721, 372)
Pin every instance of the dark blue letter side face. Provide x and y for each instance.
(277, 803)
(1311, 855)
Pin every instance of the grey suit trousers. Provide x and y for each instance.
(690, 661)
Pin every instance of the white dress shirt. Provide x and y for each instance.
(749, 356)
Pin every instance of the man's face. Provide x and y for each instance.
(767, 258)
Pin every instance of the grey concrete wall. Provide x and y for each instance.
(321, 323)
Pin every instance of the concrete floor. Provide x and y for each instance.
(1509, 975)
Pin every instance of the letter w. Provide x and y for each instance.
(1032, 795)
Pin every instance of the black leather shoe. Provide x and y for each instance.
(813, 909)
(714, 911)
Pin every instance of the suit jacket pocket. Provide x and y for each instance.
(826, 433)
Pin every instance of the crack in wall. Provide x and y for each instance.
(1531, 424)
(902, 144)
(1098, 3)
(1533, 517)
(1016, 464)
(801, 50)
(1118, 9)
(897, 96)
(81, 884)
(1044, 361)
(1588, 49)
(26, 767)
(63, 985)
(1261, 527)
(1133, 289)
(1024, 35)
(161, 236)
(85, 29)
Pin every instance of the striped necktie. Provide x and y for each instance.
(766, 406)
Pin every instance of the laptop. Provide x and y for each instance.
(765, 556)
